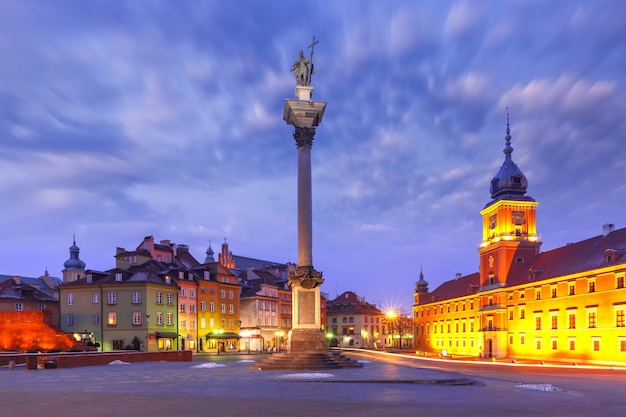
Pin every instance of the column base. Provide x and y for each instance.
(307, 340)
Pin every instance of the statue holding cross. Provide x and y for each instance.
(303, 67)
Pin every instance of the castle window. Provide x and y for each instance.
(592, 318)
(538, 295)
(522, 313)
(519, 260)
(572, 289)
(553, 292)
(572, 343)
(592, 286)
(595, 341)
(620, 282)
(619, 318)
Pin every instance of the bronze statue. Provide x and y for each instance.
(303, 67)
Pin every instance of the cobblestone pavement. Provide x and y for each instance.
(225, 386)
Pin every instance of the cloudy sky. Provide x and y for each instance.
(124, 119)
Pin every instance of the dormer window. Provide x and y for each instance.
(118, 276)
(89, 278)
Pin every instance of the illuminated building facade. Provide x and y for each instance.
(352, 322)
(567, 304)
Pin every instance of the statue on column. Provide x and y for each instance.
(303, 67)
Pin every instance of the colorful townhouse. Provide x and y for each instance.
(567, 304)
(352, 322)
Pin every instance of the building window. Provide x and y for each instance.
(522, 338)
(136, 297)
(572, 320)
(95, 299)
(170, 298)
(70, 319)
(511, 315)
(118, 276)
(555, 321)
(41, 307)
(223, 308)
(212, 291)
(522, 313)
(192, 293)
(159, 298)
(182, 308)
(202, 323)
(159, 318)
(118, 345)
(538, 295)
(538, 343)
(70, 299)
(222, 293)
(231, 309)
(230, 295)
(554, 341)
(192, 308)
(572, 289)
(595, 342)
(591, 319)
(619, 318)
(136, 318)
(170, 319)
(620, 282)
(183, 292)
(572, 343)
(553, 292)
(592, 286)
(112, 318)
(112, 298)
(622, 344)
(212, 307)
(95, 319)
(183, 324)
(538, 323)
(19, 306)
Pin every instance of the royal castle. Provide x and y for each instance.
(567, 304)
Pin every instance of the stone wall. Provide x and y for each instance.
(73, 359)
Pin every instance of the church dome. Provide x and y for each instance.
(510, 182)
(74, 262)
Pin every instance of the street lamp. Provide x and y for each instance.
(279, 336)
(329, 337)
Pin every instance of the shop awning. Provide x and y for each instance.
(166, 335)
(223, 335)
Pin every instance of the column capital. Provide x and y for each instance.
(304, 136)
(305, 277)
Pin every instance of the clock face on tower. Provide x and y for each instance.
(492, 221)
(518, 218)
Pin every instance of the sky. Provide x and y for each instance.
(124, 119)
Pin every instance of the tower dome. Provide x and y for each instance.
(421, 286)
(74, 262)
(510, 183)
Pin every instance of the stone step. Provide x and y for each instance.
(306, 361)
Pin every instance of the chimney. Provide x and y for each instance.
(17, 279)
(607, 228)
(457, 275)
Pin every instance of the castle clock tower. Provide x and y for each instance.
(510, 240)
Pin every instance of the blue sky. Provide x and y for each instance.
(124, 119)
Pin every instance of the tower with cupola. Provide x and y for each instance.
(510, 241)
(74, 268)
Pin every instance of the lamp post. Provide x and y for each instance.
(148, 332)
(220, 332)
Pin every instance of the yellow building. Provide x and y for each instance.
(567, 304)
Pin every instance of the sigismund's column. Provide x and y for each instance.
(304, 114)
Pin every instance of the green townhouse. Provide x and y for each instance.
(123, 308)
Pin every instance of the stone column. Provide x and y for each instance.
(306, 334)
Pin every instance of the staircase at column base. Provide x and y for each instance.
(305, 361)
